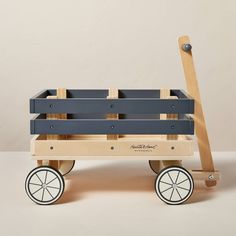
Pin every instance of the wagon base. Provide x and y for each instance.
(141, 147)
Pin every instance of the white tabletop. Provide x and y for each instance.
(115, 198)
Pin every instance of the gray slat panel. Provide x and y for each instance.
(123, 106)
(102, 126)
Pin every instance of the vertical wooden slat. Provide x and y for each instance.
(165, 94)
(113, 94)
(61, 93)
(172, 117)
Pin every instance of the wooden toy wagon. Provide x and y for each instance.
(153, 125)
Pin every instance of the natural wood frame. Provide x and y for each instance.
(113, 93)
(155, 147)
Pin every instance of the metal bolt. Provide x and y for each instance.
(112, 126)
(172, 107)
(51, 126)
(111, 106)
(51, 105)
(112, 148)
(172, 126)
(211, 177)
(172, 147)
(51, 147)
(187, 47)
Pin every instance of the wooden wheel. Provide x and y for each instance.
(44, 185)
(155, 166)
(174, 185)
(65, 167)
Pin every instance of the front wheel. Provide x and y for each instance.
(44, 185)
(174, 185)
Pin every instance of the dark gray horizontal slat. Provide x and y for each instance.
(123, 106)
(87, 126)
(103, 93)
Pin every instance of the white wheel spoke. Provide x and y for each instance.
(37, 190)
(170, 177)
(178, 194)
(167, 189)
(51, 180)
(165, 182)
(52, 187)
(36, 184)
(182, 181)
(43, 194)
(183, 188)
(49, 193)
(177, 177)
(172, 193)
(46, 177)
(39, 178)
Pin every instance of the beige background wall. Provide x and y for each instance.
(125, 44)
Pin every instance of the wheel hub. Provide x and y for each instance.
(174, 186)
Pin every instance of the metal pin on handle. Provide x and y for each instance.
(187, 47)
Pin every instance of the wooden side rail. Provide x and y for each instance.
(114, 126)
(136, 102)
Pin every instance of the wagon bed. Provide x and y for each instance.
(138, 127)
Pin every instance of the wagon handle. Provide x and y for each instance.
(199, 120)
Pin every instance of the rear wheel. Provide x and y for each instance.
(155, 166)
(66, 166)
